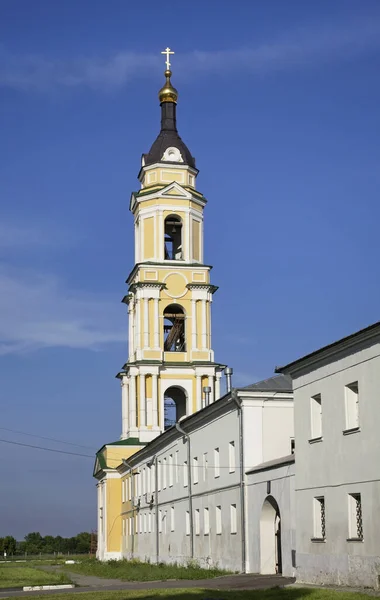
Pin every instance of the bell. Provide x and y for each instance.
(174, 229)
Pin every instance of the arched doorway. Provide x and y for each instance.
(270, 538)
(174, 405)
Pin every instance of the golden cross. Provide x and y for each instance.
(168, 52)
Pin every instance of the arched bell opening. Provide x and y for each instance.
(175, 401)
(174, 329)
(173, 238)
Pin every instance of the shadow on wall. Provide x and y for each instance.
(275, 593)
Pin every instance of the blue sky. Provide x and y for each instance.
(279, 105)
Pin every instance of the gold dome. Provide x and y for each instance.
(168, 93)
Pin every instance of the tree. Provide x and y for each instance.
(9, 545)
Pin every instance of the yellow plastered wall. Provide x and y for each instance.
(148, 386)
(151, 324)
(148, 228)
(196, 228)
(114, 522)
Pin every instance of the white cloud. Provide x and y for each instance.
(303, 47)
(38, 311)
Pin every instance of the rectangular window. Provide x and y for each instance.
(123, 491)
(145, 519)
(176, 465)
(172, 519)
(195, 469)
(231, 456)
(216, 463)
(292, 445)
(352, 405)
(143, 481)
(187, 523)
(197, 523)
(218, 520)
(205, 466)
(316, 416)
(206, 521)
(170, 470)
(355, 517)
(319, 518)
(149, 522)
(233, 518)
(123, 526)
(164, 473)
(185, 474)
(141, 522)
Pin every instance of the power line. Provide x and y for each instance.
(41, 437)
(46, 449)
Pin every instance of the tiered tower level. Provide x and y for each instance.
(170, 358)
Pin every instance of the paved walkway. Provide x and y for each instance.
(227, 582)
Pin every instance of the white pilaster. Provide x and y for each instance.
(138, 325)
(130, 330)
(204, 324)
(194, 324)
(211, 384)
(154, 401)
(156, 334)
(146, 322)
(199, 392)
(142, 401)
(132, 403)
(217, 386)
(124, 407)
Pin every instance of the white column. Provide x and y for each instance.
(132, 402)
(204, 324)
(217, 386)
(130, 330)
(138, 325)
(146, 322)
(142, 401)
(199, 392)
(155, 400)
(211, 384)
(194, 324)
(124, 407)
(156, 342)
(209, 324)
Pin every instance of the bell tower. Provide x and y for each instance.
(170, 356)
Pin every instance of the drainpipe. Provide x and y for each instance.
(228, 371)
(186, 435)
(236, 399)
(207, 392)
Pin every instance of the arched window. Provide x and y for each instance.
(174, 329)
(173, 238)
(174, 406)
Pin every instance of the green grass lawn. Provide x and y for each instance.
(139, 571)
(12, 575)
(198, 594)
